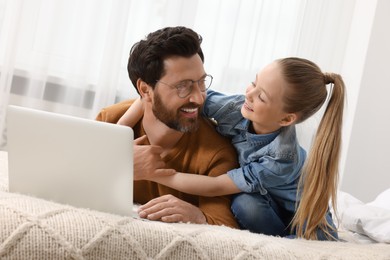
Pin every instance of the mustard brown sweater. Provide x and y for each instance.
(202, 152)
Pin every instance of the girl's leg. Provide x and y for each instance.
(322, 235)
(258, 213)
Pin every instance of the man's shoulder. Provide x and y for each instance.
(214, 148)
(208, 133)
(112, 113)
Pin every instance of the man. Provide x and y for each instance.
(167, 70)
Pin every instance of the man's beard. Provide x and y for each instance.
(172, 119)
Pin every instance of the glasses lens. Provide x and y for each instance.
(184, 88)
(206, 83)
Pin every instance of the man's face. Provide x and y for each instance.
(181, 114)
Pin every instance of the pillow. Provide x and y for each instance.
(371, 219)
(382, 201)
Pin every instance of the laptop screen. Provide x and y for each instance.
(70, 160)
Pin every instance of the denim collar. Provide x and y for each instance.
(259, 139)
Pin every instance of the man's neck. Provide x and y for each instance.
(158, 133)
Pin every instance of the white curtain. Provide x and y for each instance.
(70, 56)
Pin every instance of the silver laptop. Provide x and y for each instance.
(70, 160)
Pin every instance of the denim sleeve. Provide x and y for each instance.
(218, 105)
(259, 176)
(225, 109)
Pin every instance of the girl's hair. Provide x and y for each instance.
(305, 94)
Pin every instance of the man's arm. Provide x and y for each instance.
(168, 208)
(173, 208)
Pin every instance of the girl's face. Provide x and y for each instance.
(263, 101)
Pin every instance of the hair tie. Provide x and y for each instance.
(328, 78)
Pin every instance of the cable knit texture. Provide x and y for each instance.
(33, 228)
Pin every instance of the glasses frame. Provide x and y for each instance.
(190, 88)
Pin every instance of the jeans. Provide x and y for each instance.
(261, 214)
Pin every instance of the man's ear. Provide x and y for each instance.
(144, 89)
(288, 119)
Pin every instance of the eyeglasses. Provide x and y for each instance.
(184, 88)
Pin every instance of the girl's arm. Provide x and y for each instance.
(199, 184)
(133, 114)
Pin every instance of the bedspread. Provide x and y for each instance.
(33, 228)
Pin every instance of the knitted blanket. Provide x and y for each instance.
(33, 228)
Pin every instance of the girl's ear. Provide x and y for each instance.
(288, 119)
(144, 89)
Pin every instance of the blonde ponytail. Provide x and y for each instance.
(319, 177)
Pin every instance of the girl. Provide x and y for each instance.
(278, 191)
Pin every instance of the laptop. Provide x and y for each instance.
(70, 160)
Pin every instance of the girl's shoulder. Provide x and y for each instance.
(227, 100)
(224, 109)
(286, 144)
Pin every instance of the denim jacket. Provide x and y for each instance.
(270, 163)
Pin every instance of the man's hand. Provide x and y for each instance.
(147, 161)
(170, 209)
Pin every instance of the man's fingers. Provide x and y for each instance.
(168, 208)
(156, 204)
(172, 218)
(151, 203)
(141, 140)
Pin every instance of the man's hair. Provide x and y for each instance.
(146, 60)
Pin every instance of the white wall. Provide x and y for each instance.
(367, 74)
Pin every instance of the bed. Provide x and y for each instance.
(32, 228)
